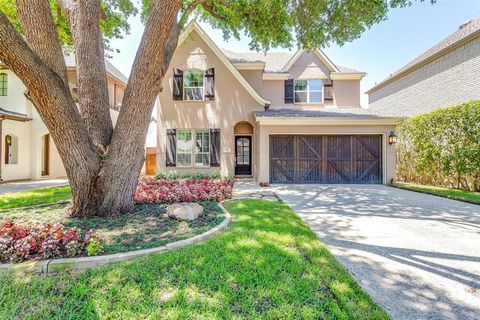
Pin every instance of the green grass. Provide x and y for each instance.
(455, 194)
(266, 265)
(148, 227)
(34, 197)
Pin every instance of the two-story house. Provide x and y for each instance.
(446, 74)
(274, 117)
(27, 150)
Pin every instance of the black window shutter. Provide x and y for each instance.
(177, 84)
(171, 148)
(289, 91)
(214, 147)
(210, 84)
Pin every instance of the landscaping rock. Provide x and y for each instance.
(184, 211)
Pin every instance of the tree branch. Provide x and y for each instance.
(44, 40)
(186, 13)
(212, 11)
(84, 17)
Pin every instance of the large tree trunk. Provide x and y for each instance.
(102, 166)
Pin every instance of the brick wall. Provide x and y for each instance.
(449, 80)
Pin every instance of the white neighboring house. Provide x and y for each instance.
(27, 149)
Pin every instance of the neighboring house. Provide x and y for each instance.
(27, 150)
(274, 117)
(445, 75)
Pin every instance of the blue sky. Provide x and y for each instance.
(380, 51)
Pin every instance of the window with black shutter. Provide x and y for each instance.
(171, 148)
(289, 91)
(214, 147)
(177, 84)
(210, 84)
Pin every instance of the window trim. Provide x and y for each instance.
(193, 151)
(4, 82)
(308, 91)
(185, 87)
(177, 164)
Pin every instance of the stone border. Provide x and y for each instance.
(53, 266)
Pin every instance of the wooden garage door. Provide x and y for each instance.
(326, 159)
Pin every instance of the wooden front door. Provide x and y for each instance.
(151, 161)
(326, 159)
(243, 155)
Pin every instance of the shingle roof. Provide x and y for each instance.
(467, 29)
(324, 113)
(274, 61)
(109, 67)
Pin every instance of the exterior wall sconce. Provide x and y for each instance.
(8, 140)
(392, 138)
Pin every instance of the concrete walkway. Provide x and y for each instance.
(417, 255)
(20, 186)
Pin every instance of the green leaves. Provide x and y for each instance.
(442, 148)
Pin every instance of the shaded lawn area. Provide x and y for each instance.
(34, 197)
(455, 194)
(147, 227)
(266, 265)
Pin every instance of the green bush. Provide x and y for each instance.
(441, 148)
(198, 175)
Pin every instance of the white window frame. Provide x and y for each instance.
(203, 152)
(308, 91)
(185, 87)
(193, 152)
(180, 152)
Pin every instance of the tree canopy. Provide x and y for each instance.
(302, 23)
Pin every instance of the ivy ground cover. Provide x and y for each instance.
(266, 265)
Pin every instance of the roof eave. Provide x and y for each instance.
(328, 121)
(347, 75)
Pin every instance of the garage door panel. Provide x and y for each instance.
(326, 159)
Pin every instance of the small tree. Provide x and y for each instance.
(102, 163)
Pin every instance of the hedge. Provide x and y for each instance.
(441, 148)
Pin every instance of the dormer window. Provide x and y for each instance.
(308, 91)
(193, 84)
(3, 84)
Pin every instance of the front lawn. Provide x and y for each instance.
(455, 194)
(266, 265)
(34, 197)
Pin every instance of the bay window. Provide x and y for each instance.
(308, 91)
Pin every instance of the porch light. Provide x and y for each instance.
(392, 138)
(8, 140)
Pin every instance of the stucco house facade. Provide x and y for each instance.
(27, 149)
(273, 117)
(447, 74)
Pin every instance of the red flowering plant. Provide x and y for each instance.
(186, 188)
(20, 243)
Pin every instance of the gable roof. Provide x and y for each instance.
(466, 32)
(194, 26)
(109, 68)
(275, 62)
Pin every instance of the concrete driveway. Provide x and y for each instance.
(417, 255)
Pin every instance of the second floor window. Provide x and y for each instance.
(3, 84)
(193, 84)
(308, 91)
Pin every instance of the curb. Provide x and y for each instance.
(53, 266)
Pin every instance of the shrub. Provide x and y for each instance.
(441, 148)
(191, 189)
(20, 243)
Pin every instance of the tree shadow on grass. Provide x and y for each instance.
(267, 264)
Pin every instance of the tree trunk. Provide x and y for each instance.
(102, 167)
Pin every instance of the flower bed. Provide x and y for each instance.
(162, 189)
(20, 242)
